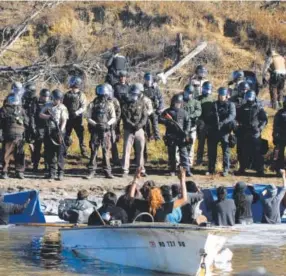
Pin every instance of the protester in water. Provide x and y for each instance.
(124, 202)
(271, 200)
(224, 209)
(190, 215)
(7, 209)
(108, 212)
(79, 210)
(176, 215)
(155, 203)
(243, 202)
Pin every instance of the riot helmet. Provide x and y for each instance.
(45, 94)
(237, 75)
(17, 88)
(102, 91)
(148, 79)
(57, 95)
(30, 90)
(222, 93)
(14, 100)
(250, 96)
(177, 101)
(242, 88)
(188, 92)
(201, 71)
(135, 92)
(75, 82)
(206, 88)
(110, 91)
(116, 50)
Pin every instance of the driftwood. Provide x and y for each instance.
(164, 76)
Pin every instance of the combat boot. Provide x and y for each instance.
(109, 175)
(20, 175)
(91, 175)
(83, 153)
(4, 175)
(61, 176)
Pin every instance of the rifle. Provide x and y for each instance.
(178, 128)
(59, 132)
(217, 117)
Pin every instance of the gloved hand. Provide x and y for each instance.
(158, 112)
(102, 127)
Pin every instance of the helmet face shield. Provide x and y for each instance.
(250, 96)
(75, 82)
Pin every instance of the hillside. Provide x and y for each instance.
(75, 37)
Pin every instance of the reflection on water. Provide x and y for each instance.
(24, 251)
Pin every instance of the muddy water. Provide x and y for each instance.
(24, 252)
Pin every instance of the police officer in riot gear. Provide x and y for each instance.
(198, 79)
(151, 90)
(194, 110)
(100, 116)
(279, 135)
(40, 126)
(134, 116)
(16, 89)
(115, 64)
(56, 115)
(13, 121)
(115, 127)
(121, 88)
(29, 103)
(75, 101)
(206, 102)
(221, 122)
(177, 123)
(275, 64)
(251, 120)
(238, 99)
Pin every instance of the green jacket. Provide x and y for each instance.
(206, 104)
(194, 110)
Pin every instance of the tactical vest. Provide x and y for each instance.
(223, 110)
(14, 122)
(178, 116)
(151, 93)
(72, 101)
(40, 123)
(250, 116)
(134, 111)
(99, 112)
(119, 63)
(121, 92)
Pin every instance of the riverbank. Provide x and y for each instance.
(52, 192)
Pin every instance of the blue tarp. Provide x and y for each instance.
(210, 196)
(32, 214)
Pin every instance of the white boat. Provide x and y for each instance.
(181, 249)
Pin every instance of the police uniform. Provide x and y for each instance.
(275, 64)
(75, 103)
(251, 119)
(13, 122)
(40, 126)
(115, 64)
(194, 110)
(102, 112)
(114, 131)
(134, 116)
(220, 123)
(174, 139)
(202, 126)
(55, 149)
(279, 136)
(154, 94)
(121, 92)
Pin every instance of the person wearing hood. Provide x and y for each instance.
(79, 211)
(108, 211)
(271, 200)
(243, 202)
(224, 209)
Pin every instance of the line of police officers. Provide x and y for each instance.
(51, 118)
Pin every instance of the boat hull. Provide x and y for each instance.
(170, 249)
